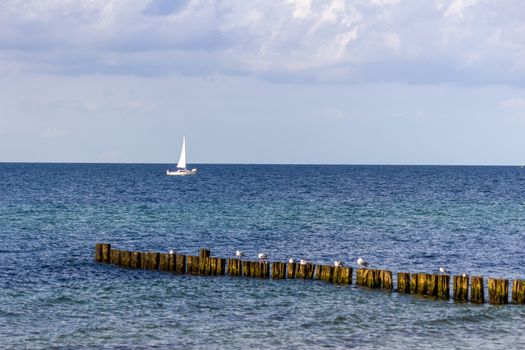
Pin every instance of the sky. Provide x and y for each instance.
(280, 81)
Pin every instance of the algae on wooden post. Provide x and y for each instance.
(477, 290)
(403, 282)
(443, 289)
(498, 291)
(518, 291)
(461, 288)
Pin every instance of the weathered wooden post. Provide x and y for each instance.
(292, 270)
(125, 258)
(171, 262)
(106, 252)
(204, 268)
(443, 288)
(98, 252)
(432, 285)
(422, 284)
(461, 288)
(340, 274)
(135, 260)
(180, 264)
(306, 271)
(265, 270)
(403, 282)
(414, 278)
(385, 279)
(234, 267)
(164, 260)
(477, 290)
(278, 270)
(518, 291)
(246, 268)
(498, 291)
(153, 260)
(221, 267)
(192, 263)
(144, 260)
(115, 256)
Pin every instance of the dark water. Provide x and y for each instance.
(52, 294)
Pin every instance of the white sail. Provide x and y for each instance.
(182, 160)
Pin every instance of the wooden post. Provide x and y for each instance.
(221, 267)
(144, 256)
(306, 271)
(477, 290)
(98, 252)
(193, 264)
(265, 269)
(414, 278)
(291, 270)
(106, 252)
(422, 284)
(432, 285)
(204, 253)
(153, 260)
(386, 281)
(125, 258)
(403, 282)
(518, 291)
(135, 260)
(171, 262)
(461, 288)
(115, 256)
(246, 268)
(234, 267)
(278, 270)
(164, 260)
(340, 274)
(325, 273)
(180, 264)
(443, 288)
(498, 291)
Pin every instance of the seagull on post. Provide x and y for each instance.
(239, 254)
(338, 263)
(362, 263)
(291, 261)
(303, 262)
(262, 256)
(442, 269)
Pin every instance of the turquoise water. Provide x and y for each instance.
(52, 294)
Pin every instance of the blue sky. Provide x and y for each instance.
(292, 81)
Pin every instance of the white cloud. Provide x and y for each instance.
(469, 41)
(514, 103)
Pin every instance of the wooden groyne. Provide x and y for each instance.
(436, 286)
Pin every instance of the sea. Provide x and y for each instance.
(53, 295)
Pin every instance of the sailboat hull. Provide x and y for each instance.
(181, 172)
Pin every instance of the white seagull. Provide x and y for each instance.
(239, 254)
(338, 263)
(262, 256)
(362, 262)
(172, 251)
(291, 260)
(303, 262)
(442, 269)
(464, 275)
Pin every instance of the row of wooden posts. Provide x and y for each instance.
(422, 284)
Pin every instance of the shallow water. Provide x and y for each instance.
(403, 218)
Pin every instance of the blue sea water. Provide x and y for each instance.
(403, 218)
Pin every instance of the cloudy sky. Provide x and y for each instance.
(290, 81)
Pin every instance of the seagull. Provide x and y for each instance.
(239, 254)
(362, 262)
(291, 261)
(303, 262)
(172, 251)
(464, 275)
(442, 269)
(262, 256)
(338, 263)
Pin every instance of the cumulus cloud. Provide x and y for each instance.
(412, 41)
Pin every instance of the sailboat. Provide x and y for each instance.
(181, 165)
